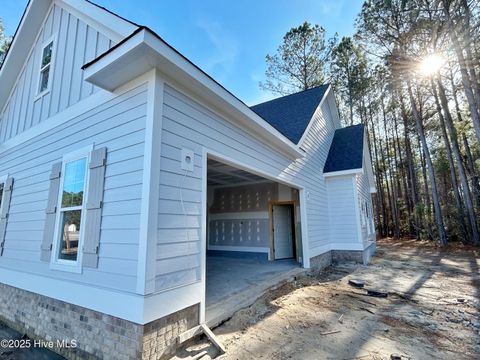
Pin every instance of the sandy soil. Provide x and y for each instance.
(432, 311)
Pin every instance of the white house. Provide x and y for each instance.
(130, 179)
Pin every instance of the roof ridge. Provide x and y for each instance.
(351, 126)
(296, 93)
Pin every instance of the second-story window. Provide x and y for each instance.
(45, 67)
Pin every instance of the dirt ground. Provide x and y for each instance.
(432, 311)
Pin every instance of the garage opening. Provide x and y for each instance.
(253, 237)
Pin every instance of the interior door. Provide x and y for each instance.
(282, 232)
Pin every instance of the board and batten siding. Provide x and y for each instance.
(188, 124)
(118, 125)
(76, 43)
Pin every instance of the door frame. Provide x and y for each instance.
(208, 153)
(293, 203)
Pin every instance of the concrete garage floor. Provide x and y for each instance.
(235, 282)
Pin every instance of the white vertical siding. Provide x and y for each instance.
(188, 124)
(120, 126)
(75, 44)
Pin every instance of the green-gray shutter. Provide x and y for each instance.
(93, 216)
(51, 212)
(7, 195)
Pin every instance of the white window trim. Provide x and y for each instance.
(40, 94)
(3, 179)
(69, 265)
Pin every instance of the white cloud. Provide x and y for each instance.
(331, 7)
(220, 60)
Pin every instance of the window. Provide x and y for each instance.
(45, 67)
(363, 212)
(71, 205)
(2, 186)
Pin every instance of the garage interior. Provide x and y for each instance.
(253, 237)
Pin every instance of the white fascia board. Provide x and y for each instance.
(100, 19)
(307, 130)
(343, 173)
(24, 37)
(144, 50)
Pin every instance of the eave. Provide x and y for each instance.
(343, 173)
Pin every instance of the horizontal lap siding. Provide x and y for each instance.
(341, 209)
(76, 44)
(188, 124)
(120, 126)
(363, 187)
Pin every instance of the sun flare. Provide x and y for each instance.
(431, 64)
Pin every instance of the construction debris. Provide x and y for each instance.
(377, 293)
(416, 320)
(356, 283)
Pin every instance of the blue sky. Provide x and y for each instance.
(227, 39)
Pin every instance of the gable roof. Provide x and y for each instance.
(346, 150)
(291, 114)
(32, 20)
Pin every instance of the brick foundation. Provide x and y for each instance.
(338, 256)
(98, 336)
(321, 261)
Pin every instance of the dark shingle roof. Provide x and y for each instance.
(346, 150)
(291, 114)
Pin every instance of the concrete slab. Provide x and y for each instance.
(235, 283)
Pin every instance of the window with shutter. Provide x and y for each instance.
(6, 186)
(66, 209)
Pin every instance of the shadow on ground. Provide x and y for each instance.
(432, 311)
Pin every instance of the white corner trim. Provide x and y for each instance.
(343, 172)
(357, 209)
(150, 186)
(304, 228)
(203, 238)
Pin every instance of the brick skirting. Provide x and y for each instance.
(97, 335)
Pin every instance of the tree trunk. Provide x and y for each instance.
(456, 153)
(453, 176)
(388, 171)
(470, 164)
(466, 81)
(380, 222)
(412, 179)
(436, 202)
